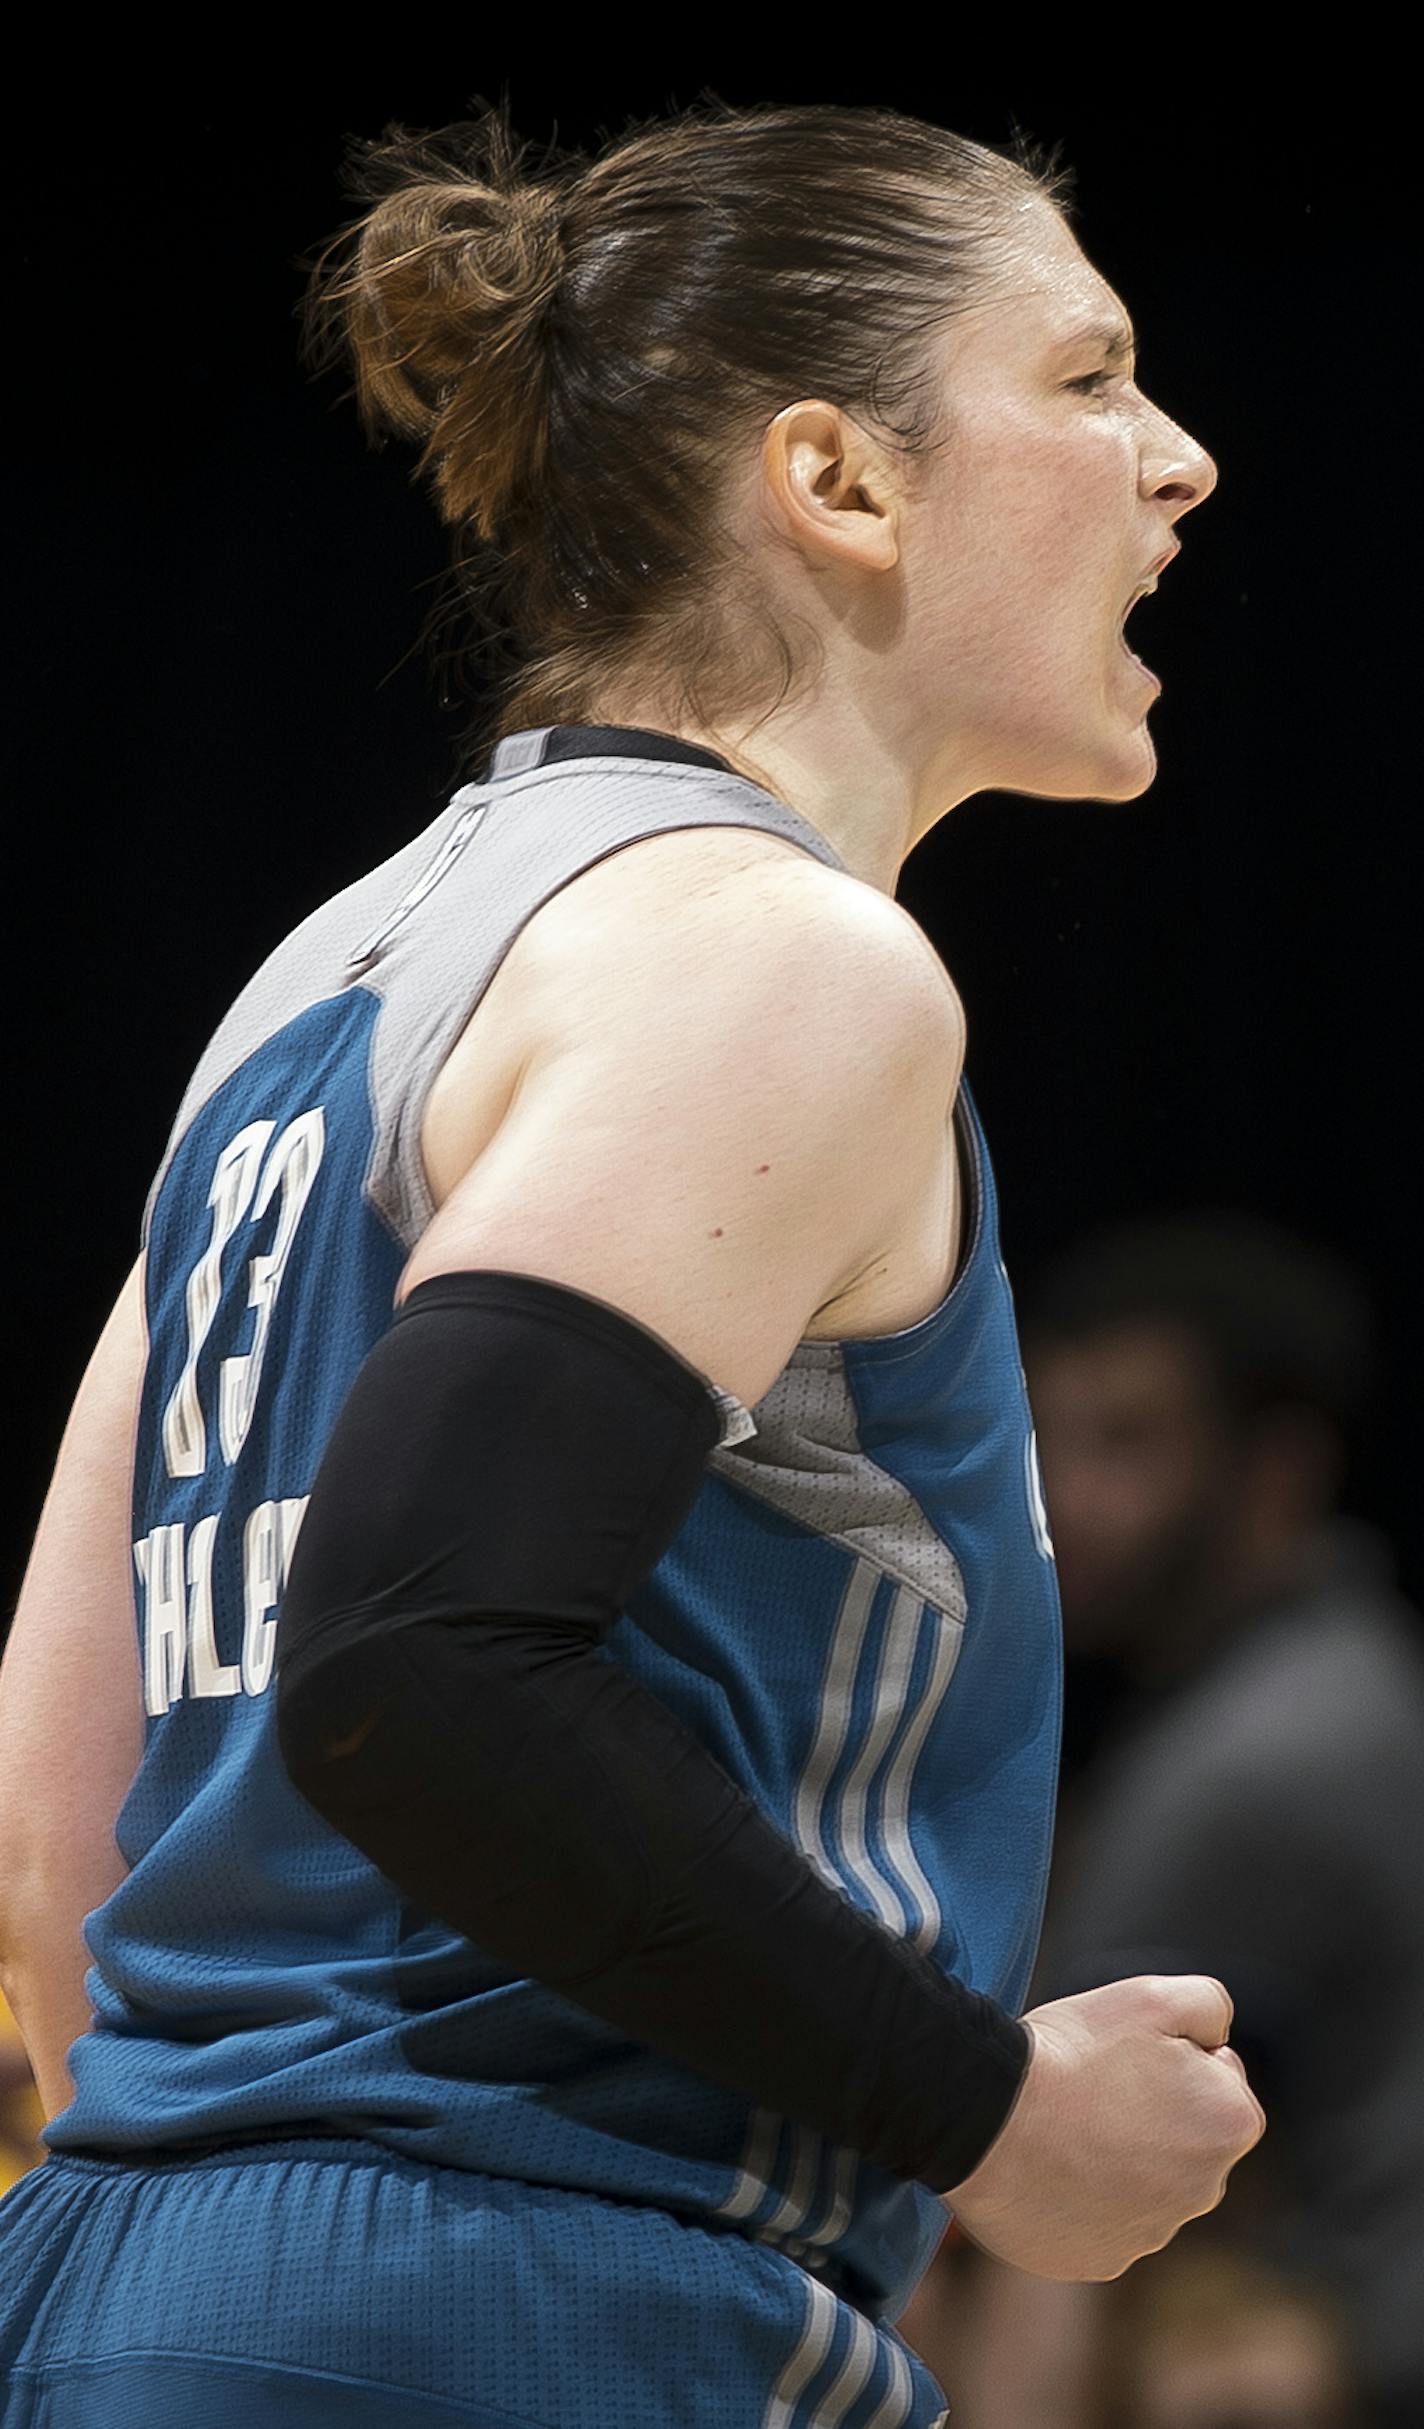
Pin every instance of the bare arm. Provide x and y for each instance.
(44, 1987)
(1011, 2351)
(1034, 2350)
(71, 1708)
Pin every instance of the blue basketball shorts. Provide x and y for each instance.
(335, 2285)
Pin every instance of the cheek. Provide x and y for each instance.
(1030, 534)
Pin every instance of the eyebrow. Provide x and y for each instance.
(1117, 338)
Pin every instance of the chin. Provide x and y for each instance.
(1100, 1619)
(1121, 774)
(1135, 781)
(1124, 762)
(1115, 760)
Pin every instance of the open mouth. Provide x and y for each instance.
(1129, 653)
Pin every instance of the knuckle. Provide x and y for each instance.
(1156, 1999)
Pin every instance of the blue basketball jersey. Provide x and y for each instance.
(859, 1617)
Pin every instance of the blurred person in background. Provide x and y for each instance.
(1213, 2340)
(1201, 2336)
(1243, 1789)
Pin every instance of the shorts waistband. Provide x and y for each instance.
(301, 2140)
(304, 2141)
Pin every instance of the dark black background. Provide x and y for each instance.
(220, 712)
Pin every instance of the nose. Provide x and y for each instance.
(1189, 481)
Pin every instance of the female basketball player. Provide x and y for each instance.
(539, 1673)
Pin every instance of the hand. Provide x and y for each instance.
(1129, 2121)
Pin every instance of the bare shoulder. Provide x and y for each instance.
(731, 1084)
(740, 901)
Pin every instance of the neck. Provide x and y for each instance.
(825, 762)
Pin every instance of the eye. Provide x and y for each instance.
(1094, 379)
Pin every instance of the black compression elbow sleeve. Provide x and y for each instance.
(511, 1462)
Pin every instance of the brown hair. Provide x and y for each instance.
(583, 351)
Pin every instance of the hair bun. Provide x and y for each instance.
(434, 295)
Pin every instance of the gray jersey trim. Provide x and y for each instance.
(428, 928)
